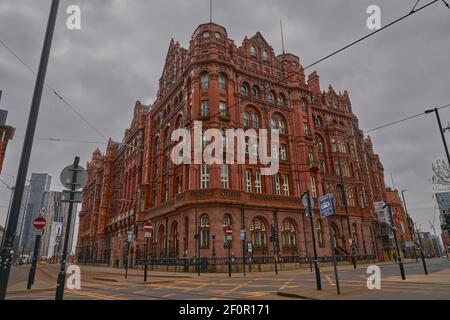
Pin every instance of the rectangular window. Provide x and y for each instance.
(306, 129)
(277, 184)
(313, 187)
(322, 167)
(258, 185)
(205, 176)
(333, 145)
(222, 109)
(283, 152)
(204, 108)
(248, 174)
(275, 151)
(337, 168)
(224, 177)
(286, 184)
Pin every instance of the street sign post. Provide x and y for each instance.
(229, 236)
(39, 225)
(326, 204)
(308, 202)
(243, 236)
(148, 229)
(73, 177)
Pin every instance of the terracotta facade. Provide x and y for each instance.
(226, 86)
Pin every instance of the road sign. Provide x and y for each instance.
(67, 175)
(229, 233)
(309, 213)
(249, 247)
(243, 235)
(43, 211)
(147, 234)
(129, 236)
(148, 227)
(326, 205)
(77, 196)
(39, 223)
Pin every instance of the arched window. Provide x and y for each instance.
(288, 235)
(244, 89)
(281, 100)
(222, 82)
(255, 92)
(255, 120)
(206, 34)
(318, 122)
(226, 225)
(265, 55)
(304, 106)
(270, 97)
(278, 123)
(258, 233)
(246, 119)
(335, 234)
(204, 234)
(205, 81)
(320, 234)
(253, 50)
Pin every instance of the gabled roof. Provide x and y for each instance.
(258, 38)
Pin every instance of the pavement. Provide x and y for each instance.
(102, 283)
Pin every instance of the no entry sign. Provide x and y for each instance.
(39, 223)
(148, 227)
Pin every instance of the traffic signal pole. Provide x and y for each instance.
(316, 263)
(421, 252)
(62, 273)
(32, 273)
(7, 251)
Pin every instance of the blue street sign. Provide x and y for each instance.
(326, 205)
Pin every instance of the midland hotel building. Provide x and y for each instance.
(225, 85)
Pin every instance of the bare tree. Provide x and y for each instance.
(441, 174)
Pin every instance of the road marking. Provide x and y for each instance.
(237, 288)
(329, 280)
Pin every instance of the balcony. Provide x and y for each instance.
(224, 115)
(219, 197)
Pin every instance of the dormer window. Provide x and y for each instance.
(265, 55)
(253, 51)
(205, 34)
(218, 35)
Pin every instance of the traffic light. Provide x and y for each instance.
(446, 222)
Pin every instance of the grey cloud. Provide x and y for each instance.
(118, 57)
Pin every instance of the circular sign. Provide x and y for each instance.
(148, 227)
(67, 174)
(229, 232)
(39, 223)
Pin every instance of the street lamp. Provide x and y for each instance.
(438, 118)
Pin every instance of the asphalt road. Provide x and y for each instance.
(109, 284)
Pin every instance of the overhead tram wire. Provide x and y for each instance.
(65, 102)
(271, 86)
(403, 120)
(413, 11)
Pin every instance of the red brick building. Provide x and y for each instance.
(6, 134)
(321, 149)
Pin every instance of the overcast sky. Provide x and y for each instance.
(118, 55)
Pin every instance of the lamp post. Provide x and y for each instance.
(438, 118)
(409, 224)
(421, 251)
